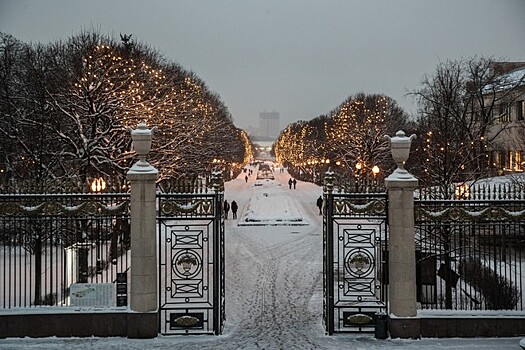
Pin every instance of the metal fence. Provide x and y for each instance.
(50, 241)
(471, 252)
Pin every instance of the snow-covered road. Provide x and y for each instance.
(273, 284)
(274, 273)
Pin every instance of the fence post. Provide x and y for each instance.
(142, 321)
(328, 252)
(400, 185)
(218, 254)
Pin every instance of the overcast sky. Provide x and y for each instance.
(300, 58)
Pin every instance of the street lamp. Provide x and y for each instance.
(358, 167)
(97, 186)
(375, 170)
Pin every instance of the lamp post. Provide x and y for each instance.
(97, 186)
(375, 172)
(358, 167)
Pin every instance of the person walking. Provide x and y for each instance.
(234, 209)
(246, 178)
(320, 204)
(294, 183)
(290, 182)
(226, 208)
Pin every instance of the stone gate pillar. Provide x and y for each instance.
(404, 322)
(142, 321)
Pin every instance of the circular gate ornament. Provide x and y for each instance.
(186, 264)
(359, 263)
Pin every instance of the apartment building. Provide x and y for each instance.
(507, 133)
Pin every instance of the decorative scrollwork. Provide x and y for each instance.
(359, 319)
(359, 263)
(53, 208)
(468, 214)
(201, 206)
(347, 207)
(186, 321)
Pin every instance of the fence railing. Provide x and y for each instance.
(474, 191)
(358, 185)
(50, 241)
(471, 254)
(60, 186)
(186, 185)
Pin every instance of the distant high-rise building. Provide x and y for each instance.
(269, 124)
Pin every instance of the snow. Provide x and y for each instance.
(510, 80)
(273, 284)
(261, 208)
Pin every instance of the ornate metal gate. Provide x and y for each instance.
(191, 271)
(355, 268)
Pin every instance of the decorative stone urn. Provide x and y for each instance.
(141, 138)
(400, 148)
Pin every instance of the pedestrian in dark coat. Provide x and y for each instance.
(294, 183)
(226, 208)
(234, 209)
(290, 182)
(320, 205)
(246, 178)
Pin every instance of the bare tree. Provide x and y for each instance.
(458, 111)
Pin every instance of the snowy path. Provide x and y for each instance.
(273, 289)
(274, 273)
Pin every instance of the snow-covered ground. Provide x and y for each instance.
(273, 284)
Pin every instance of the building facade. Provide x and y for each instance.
(269, 125)
(507, 151)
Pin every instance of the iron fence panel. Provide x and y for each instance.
(471, 254)
(51, 241)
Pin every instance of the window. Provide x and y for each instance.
(514, 162)
(504, 116)
(502, 156)
(519, 110)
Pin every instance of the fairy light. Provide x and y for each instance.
(345, 134)
(182, 109)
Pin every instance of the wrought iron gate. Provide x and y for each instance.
(354, 261)
(191, 271)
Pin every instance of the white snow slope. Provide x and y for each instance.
(273, 284)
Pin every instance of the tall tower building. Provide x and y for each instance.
(269, 124)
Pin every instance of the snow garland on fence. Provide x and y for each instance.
(463, 214)
(346, 207)
(201, 207)
(53, 208)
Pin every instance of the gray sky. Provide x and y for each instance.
(300, 58)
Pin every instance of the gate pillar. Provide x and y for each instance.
(142, 176)
(404, 322)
